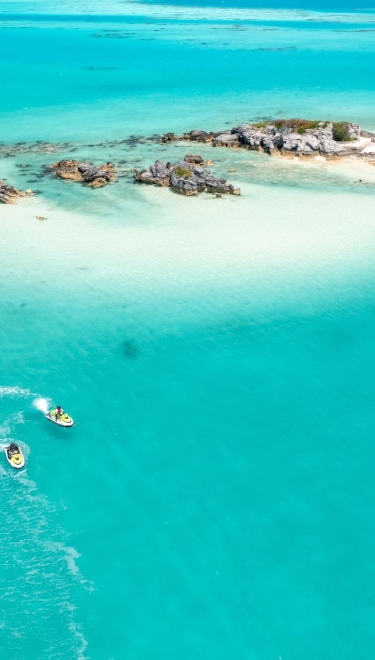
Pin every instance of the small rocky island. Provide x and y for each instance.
(93, 175)
(9, 194)
(188, 177)
(297, 137)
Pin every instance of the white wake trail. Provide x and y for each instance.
(43, 404)
(6, 390)
(40, 575)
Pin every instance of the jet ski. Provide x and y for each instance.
(59, 417)
(14, 455)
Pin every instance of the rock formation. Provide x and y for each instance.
(291, 136)
(9, 194)
(169, 137)
(194, 159)
(94, 176)
(158, 174)
(186, 178)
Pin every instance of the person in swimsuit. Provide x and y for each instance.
(59, 412)
(12, 449)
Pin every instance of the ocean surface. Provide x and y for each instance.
(215, 498)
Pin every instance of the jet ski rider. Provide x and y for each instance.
(59, 412)
(12, 449)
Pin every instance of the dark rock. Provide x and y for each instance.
(94, 176)
(169, 137)
(158, 174)
(185, 178)
(299, 137)
(284, 138)
(91, 172)
(194, 158)
(218, 186)
(184, 186)
(199, 136)
(227, 139)
(9, 194)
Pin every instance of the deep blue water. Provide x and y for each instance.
(311, 5)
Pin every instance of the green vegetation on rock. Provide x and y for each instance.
(340, 130)
(181, 171)
(298, 125)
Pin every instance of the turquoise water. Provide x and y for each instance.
(215, 497)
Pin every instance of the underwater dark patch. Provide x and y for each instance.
(130, 350)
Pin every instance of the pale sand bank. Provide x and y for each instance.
(172, 254)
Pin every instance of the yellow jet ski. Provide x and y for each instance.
(60, 417)
(14, 455)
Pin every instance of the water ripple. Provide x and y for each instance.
(39, 576)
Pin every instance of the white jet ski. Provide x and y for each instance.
(14, 455)
(59, 417)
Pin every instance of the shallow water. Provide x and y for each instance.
(105, 81)
(215, 497)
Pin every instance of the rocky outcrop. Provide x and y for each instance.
(169, 137)
(95, 176)
(227, 139)
(200, 136)
(286, 138)
(158, 174)
(9, 194)
(185, 178)
(194, 159)
(293, 137)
